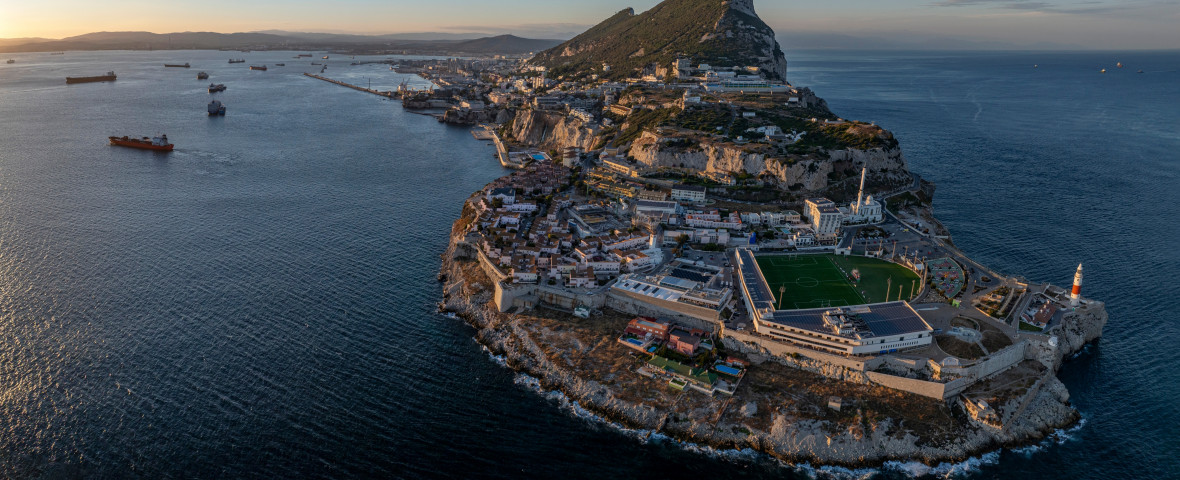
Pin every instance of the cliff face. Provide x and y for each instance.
(551, 130)
(811, 173)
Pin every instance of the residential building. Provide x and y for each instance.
(688, 193)
(825, 218)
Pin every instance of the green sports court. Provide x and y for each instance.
(822, 280)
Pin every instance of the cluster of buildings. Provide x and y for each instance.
(652, 337)
(530, 232)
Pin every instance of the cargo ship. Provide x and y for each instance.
(308, 55)
(109, 77)
(280, 64)
(202, 76)
(177, 65)
(216, 88)
(240, 60)
(159, 143)
(255, 67)
(216, 108)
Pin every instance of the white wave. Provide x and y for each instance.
(915, 469)
(498, 359)
(911, 469)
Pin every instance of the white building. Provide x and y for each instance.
(825, 218)
(865, 209)
(713, 219)
(688, 193)
(505, 194)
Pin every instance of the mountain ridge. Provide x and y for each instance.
(140, 40)
(717, 32)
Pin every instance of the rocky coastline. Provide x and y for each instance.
(536, 343)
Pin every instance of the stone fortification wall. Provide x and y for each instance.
(689, 315)
(568, 299)
(999, 361)
(514, 295)
(756, 344)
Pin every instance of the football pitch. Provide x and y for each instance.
(813, 281)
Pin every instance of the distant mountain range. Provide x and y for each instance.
(421, 43)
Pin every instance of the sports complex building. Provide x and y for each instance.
(813, 301)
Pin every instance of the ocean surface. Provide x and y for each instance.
(260, 302)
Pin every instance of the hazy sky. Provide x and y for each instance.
(1108, 24)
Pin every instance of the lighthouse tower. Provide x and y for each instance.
(1076, 295)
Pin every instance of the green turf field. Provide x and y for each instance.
(812, 281)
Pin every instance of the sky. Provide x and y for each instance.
(1080, 24)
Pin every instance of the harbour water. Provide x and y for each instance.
(260, 302)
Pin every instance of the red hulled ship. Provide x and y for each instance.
(159, 143)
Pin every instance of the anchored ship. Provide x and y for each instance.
(202, 76)
(216, 88)
(159, 143)
(177, 65)
(216, 108)
(109, 77)
(255, 67)
(240, 60)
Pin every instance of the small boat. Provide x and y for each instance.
(1119, 64)
(109, 77)
(1035, 66)
(1102, 71)
(240, 60)
(216, 108)
(255, 67)
(216, 88)
(280, 64)
(1140, 71)
(202, 76)
(159, 143)
(10, 61)
(325, 57)
(177, 65)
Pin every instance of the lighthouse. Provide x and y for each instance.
(1076, 295)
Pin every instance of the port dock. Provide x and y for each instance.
(354, 87)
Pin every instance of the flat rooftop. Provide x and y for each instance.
(883, 319)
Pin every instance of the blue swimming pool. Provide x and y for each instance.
(728, 370)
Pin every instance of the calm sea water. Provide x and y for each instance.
(259, 303)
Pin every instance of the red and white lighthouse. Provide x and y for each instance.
(1076, 295)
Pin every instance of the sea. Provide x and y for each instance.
(260, 303)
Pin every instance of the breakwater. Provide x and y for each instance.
(387, 94)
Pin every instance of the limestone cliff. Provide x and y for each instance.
(811, 173)
(547, 130)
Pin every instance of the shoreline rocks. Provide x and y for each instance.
(789, 438)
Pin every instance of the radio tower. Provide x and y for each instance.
(1076, 295)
